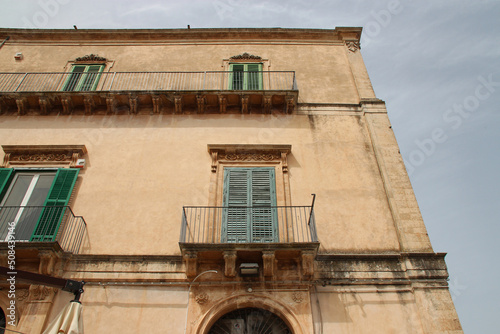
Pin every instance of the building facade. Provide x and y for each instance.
(209, 181)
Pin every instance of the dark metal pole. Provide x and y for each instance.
(69, 285)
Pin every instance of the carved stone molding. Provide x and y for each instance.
(202, 298)
(246, 56)
(22, 294)
(249, 153)
(297, 297)
(39, 293)
(16, 155)
(91, 58)
(353, 46)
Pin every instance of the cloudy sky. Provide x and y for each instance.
(435, 63)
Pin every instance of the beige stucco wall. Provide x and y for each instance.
(310, 62)
(141, 170)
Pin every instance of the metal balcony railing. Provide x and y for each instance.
(275, 224)
(43, 224)
(147, 81)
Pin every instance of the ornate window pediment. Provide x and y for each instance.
(246, 56)
(42, 155)
(249, 153)
(91, 58)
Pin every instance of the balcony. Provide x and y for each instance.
(248, 225)
(148, 92)
(260, 235)
(32, 226)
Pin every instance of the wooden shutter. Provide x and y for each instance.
(5, 177)
(236, 76)
(83, 78)
(236, 202)
(253, 80)
(249, 213)
(91, 77)
(73, 79)
(55, 205)
(263, 196)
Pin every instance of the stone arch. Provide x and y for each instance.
(230, 304)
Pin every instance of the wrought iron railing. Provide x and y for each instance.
(275, 224)
(147, 81)
(43, 224)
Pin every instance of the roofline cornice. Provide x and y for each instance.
(324, 35)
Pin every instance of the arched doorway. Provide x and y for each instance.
(3, 321)
(249, 321)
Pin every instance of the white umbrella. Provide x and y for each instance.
(69, 321)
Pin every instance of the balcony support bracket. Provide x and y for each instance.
(308, 262)
(269, 260)
(191, 262)
(45, 105)
(230, 263)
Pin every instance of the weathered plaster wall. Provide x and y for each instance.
(141, 170)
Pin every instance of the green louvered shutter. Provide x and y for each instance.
(83, 78)
(5, 177)
(263, 196)
(249, 213)
(236, 202)
(91, 77)
(55, 205)
(245, 76)
(254, 77)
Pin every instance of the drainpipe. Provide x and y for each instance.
(5, 40)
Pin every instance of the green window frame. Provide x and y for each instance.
(245, 76)
(83, 78)
(249, 205)
(44, 220)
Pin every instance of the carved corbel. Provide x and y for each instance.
(201, 101)
(111, 104)
(45, 105)
(22, 106)
(267, 104)
(178, 104)
(134, 104)
(353, 46)
(156, 104)
(47, 263)
(89, 104)
(191, 262)
(6, 159)
(3, 106)
(214, 161)
(307, 263)
(284, 162)
(290, 104)
(223, 104)
(244, 104)
(67, 105)
(230, 263)
(268, 259)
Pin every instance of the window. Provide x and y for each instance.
(83, 78)
(249, 201)
(245, 76)
(33, 202)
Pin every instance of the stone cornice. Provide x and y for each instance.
(155, 35)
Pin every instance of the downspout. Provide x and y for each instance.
(5, 40)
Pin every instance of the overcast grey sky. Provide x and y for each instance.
(435, 63)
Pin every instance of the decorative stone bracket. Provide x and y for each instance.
(42, 155)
